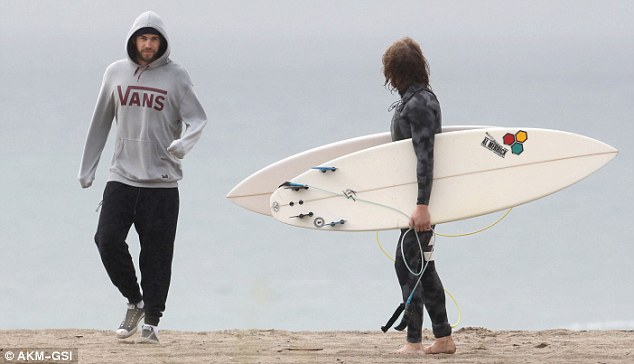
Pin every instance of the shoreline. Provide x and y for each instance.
(475, 344)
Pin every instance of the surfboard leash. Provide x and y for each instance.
(403, 307)
(351, 194)
(479, 230)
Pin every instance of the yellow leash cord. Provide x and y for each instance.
(477, 231)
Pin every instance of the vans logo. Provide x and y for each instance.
(153, 98)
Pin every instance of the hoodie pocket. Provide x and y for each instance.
(145, 161)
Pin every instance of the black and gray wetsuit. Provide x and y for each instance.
(418, 117)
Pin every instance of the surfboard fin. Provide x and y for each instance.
(301, 216)
(293, 186)
(325, 169)
(392, 319)
(320, 222)
(338, 222)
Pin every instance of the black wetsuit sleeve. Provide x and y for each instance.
(421, 113)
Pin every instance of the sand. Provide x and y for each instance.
(475, 345)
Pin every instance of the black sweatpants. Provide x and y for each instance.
(154, 213)
(429, 293)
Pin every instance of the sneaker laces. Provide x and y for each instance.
(133, 315)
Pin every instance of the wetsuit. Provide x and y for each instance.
(417, 116)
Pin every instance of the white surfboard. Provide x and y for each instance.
(476, 172)
(254, 192)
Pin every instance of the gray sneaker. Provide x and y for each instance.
(148, 335)
(129, 325)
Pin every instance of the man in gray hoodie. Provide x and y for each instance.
(159, 120)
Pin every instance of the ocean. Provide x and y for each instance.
(280, 77)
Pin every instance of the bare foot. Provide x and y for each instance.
(443, 345)
(411, 348)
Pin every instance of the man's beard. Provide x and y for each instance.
(151, 57)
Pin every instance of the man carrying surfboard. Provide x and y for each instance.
(417, 116)
(153, 100)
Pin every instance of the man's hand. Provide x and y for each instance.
(420, 220)
(176, 149)
(86, 182)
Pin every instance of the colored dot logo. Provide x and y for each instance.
(516, 141)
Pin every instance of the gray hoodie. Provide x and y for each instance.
(151, 106)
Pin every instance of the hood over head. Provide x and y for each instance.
(149, 23)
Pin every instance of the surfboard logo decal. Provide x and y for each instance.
(350, 194)
(514, 141)
(491, 144)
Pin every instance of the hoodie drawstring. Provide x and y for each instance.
(140, 71)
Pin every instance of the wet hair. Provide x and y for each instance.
(132, 51)
(404, 64)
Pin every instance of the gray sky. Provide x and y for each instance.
(589, 19)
